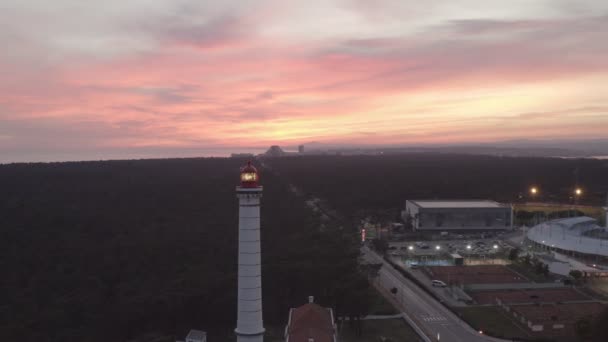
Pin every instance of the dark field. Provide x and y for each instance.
(528, 296)
(478, 274)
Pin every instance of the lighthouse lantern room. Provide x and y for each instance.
(249, 176)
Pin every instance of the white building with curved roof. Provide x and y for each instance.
(575, 236)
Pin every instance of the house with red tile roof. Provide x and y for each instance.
(311, 323)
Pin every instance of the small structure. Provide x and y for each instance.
(458, 259)
(311, 322)
(196, 336)
(436, 215)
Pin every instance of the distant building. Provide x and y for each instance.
(275, 151)
(606, 213)
(301, 149)
(311, 322)
(241, 155)
(457, 215)
(196, 336)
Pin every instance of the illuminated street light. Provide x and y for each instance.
(437, 247)
(495, 246)
(411, 248)
(533, 190)
(468, 246)
(578, 191)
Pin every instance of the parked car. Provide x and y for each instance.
(438, 283)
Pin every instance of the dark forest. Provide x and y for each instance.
(146, 250)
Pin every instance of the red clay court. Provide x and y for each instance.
(528, 296)
(478, 274)
(564, 313)
(556, 321)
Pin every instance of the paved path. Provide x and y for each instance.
(436, 322)
(383, 316)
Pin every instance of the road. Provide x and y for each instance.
(436, 321)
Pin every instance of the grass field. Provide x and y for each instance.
(599, 287)
(395, 330)
(493, 321)
(381, 306)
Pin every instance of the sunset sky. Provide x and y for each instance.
(137, 78)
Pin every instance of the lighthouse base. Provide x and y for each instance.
(249, 337)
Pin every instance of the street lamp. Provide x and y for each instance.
(495, 246)
(468, 246)
(577, 193)
(411, 248)
(533, 190)
(437, 247)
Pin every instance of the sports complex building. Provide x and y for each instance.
(577, 236)
(446, 215)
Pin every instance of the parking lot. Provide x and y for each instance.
(439, 252)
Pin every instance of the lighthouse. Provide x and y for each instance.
(249, 325)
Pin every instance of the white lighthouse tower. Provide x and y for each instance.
(249, 325)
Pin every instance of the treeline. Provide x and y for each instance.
(145, 250)
(353, 184)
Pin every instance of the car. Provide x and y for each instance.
(438, 283)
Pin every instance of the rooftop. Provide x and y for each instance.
(457, 204)
(196, 335)
(311, 321)
(568, 234)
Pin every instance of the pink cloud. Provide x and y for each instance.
(214, 83)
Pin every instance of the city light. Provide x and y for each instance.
(411, 248)
(437, 247)
(495, 246)
(468, 246)
(534, 190)
(578, 191)
(481, 331)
